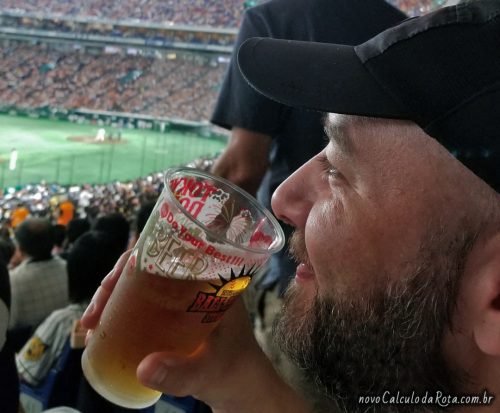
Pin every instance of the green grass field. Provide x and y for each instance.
(46, 153)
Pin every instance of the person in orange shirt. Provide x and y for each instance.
(19, 214)
(66, 212)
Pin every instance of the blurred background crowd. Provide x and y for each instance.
(32, 76)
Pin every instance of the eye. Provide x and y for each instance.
(328, 170)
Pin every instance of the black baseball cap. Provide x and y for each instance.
(440, 70)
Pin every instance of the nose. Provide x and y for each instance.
(293, 199)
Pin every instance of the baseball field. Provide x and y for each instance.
(34, 150)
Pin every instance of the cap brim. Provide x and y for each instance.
(319, 76)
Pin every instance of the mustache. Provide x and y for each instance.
(297, 248)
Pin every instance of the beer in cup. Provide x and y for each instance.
(203, 243)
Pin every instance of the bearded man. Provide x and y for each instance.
(395, 306)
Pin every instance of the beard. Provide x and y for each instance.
(386, 341)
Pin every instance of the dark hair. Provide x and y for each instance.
(91, 257)
(117, 227)
(35, 237)
(7, 249)
(76, 227)
(59, 234)
(143, 215)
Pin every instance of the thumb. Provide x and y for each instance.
(170, 373)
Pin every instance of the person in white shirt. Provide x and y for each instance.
(89, 260)
(39, 284)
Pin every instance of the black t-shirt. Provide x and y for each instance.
(9, 382)
(297, 134)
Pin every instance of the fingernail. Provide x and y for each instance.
(90, 309)
(88, 336)
(109, 276)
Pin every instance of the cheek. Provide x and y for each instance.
(343, 248)
(328, 241)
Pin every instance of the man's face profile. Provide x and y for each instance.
(381, 260)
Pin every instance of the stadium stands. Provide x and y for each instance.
(156, 34)
(91, 201)
(106, 78)
(33, 76)
(214, 13)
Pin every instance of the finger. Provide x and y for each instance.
(111, 279)
(179, 375)
(88, 336)
(93, 312)
(170, 373)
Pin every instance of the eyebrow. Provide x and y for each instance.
(338, 136)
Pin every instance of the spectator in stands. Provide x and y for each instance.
(269, 141)
(85, 80)
(75, 229)
(19, 214)
(65, 211)
(40, 283)
(90, 259)
(7, 249)
(215, 13)
(117, 227)
(140, 221)
(9, 382)
(59, 239)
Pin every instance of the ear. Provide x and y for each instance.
(485, 296)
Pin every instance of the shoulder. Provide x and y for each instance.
(58, 320)
(19, 269)
(20, 276)
(69, 312)
(57, 260)
(57, 263)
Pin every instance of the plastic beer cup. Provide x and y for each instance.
(202, 244)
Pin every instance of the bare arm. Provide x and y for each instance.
(245, 159)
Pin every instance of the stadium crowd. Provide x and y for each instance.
(214, 13)
(153, 34)
(32, 76)
(57, 240)
(90, 201)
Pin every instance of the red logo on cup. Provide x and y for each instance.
(259, 239)
(164, 210)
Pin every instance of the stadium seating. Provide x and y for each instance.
(32, 76)
(59, 387)
(214, 13)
